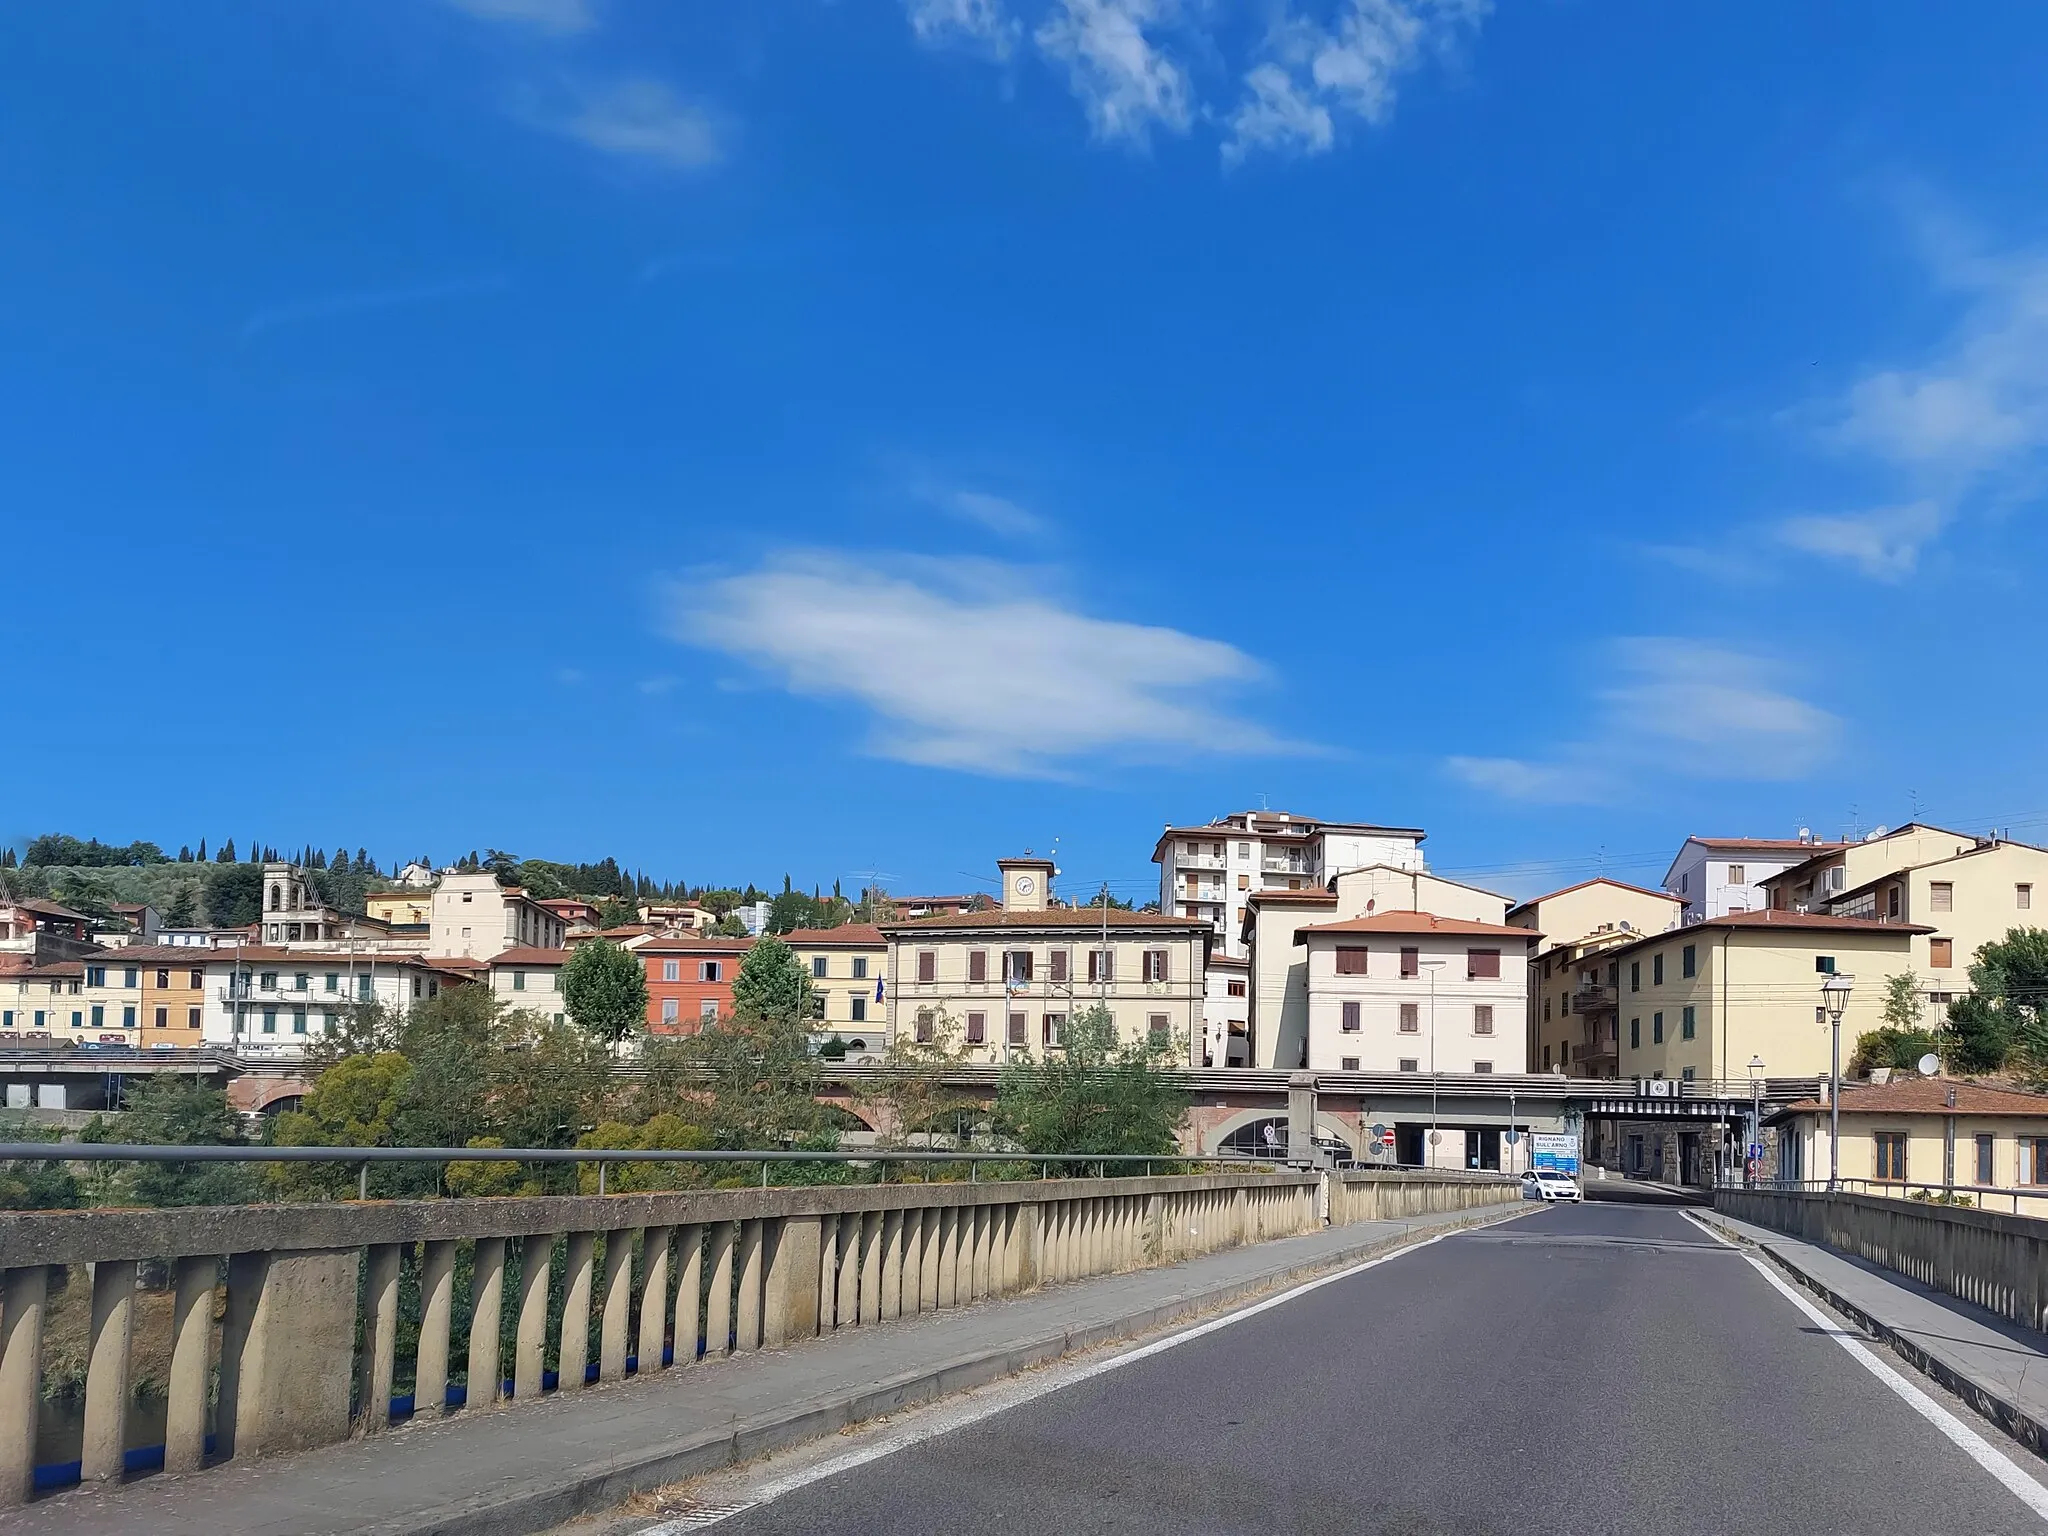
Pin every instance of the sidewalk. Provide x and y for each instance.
(1998, 1367)
(530, 1469)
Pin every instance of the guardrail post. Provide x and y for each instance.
(572, 1356)
(23, 1296)
(380, 1339)
(790, 1302)
(617, 1304)
(191, 1382)
(487, 1320)
(437, 1320)
(287, 1362)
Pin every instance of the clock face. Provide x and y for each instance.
(1025, 885)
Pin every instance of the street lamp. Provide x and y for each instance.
(1756, 1110)
(1432, 966)
(1834, 998)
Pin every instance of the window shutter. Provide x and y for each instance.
(1350, 1018)
(977, 1028)
(1411, 962)
(1482, 963)
(977, 966)
(1056, 965)
(1351, 961)
(927, 965)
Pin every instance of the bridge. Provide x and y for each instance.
(1245, 1350)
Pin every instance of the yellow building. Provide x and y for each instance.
(1573, 1008)
(846, 965)
(1700, 1002)
(39, 1003)
(410, 907)
(1922, 1133)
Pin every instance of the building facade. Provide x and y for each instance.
(847, 966)
(1573, 1023)
(1925, 1133)
(1716, 876)
(1416, 992)
(475, 917)
(1007, 981)
(529, 977)
(689, 980)
(267, 1000)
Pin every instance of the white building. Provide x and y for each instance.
(475, 917)
(1210, 871)
(1716, 876)
(529, 977)
(263, 1000)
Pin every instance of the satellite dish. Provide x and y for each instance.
(1626, 926)
(1806, 834)
(1930, 1065)
(1875, 833)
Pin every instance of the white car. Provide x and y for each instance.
(1547, 1184)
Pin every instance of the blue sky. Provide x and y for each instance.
(878, 436)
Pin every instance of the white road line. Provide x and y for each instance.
(1054, 1380)
(1965, 1439)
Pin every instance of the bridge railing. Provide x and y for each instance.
(1996, 1260)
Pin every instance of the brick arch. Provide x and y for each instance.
(254, 1095)
(1213, 1135)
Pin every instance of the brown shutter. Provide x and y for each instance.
(977, 965)
(1056, 965)
(1351, 961)
(977, 1028)
(1482, 963)
(1411, 962)
(927, 965)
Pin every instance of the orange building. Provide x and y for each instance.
(173, 994)
(689, 980)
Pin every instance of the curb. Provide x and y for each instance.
(544, 1503)
(2007, 1415)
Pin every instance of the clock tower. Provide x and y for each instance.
(1027, 884)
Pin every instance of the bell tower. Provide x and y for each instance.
(1027, 883)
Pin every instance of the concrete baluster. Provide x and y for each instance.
(654, 1248)
(572, 1355)
(24, 1294)
(913, 1261)
(789, 1299)
(689, 1262)
(847, 1304)
(437, 1319)
(106, 1371)
(828, 1274)
(752, 1236)
(984, 1238)
(718, 1303)
(871, 1267)
(617, 1307)
(949, 1223)
(892, 1265)
(191, 1380)
(486, 1322)
(932, 1225)
(379, 1365)
(529, 1350)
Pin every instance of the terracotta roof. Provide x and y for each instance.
(1620, 885)
(1425, 922)
(863, 935)
(1928, 1096)
(44, 908)
(59, 970)
(1078, 919)
(690, 943)
(462, 964)
(156, 954)
(1314, 894)
(526, 954)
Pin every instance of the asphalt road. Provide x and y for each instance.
(1605, 1369)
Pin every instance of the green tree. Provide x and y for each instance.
(234, 892)
(913, 1097)
(35, 1184)
(2003, 1020)
(606, 991)
(617, 912)
(772, 983)
(752, 1082)
(171, 1110)
(665, 1132)
(1902, 1041)
(1097, 1096)
(730, 926)
(353, 1103)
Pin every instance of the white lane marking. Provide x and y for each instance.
(1965, 1439)
(1055, 1380)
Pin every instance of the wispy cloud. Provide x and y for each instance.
(1315, 72)
(1883, 544)
(982, 25)
(562, 16)
(970, 666)
(336, 305)
(991, 513)
(1125, 81)
(1675, 708)
(644, 119)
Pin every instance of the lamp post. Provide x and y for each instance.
(1432, 966)
(1834, 998)
(1756, 1112)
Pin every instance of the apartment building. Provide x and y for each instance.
(846, 965)
(36, 932)
(266, 999)
(1227, 1013)
(475, 917)
(44, 1002)
(1209, 872)
(1700, 1002)
(530, 977)
(401, 909)
(1407, 991)
(1715, 876)
(1009, 979)
(689, 979)
(1572, 1023)
(1920, 1131)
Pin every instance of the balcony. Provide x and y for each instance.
(1280, 864)
(1594, 1000)
(1198, 861)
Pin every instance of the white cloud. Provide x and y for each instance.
(646, 120)
(1883, 544)
(998, 514)
(1122, 77)
(1674, 709)
(562, 16)
(980, 24)
(1313, 71)
(967, 665)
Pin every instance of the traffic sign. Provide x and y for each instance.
(1386, 1135)
(1378, 1130)
(1756, 1151)
(1436, 1138)
(1511, 1136)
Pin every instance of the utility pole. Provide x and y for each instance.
(1435, 1137)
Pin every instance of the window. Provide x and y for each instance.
(1482, 964)
(1987, 1147)
(1656, 1029)
(1657, 970)
(1350, 960)
(163, 1018)
(270, 1021)
(977, 1028)
(131, 977)
(1155, 965)
(163, 981)
(6, 1018)
(1350, 1025)
(860, 967)
(301, 982)
(1687, 1023)
(2023, 897)
(39, 1018)
(977, 966)
(298, 1018)
(1017, 965)
(671, 1010)
(1941, 953)
(1482, 1019)
(671, 970)
(927, 965)
(1546, 1010)
(1685, 881)
(192, 1018)
(519, 981)
(363, 989)
(2034, 1160)
(1016, 1029)
(1411, 962)
(417, 989)
(819, 968)
(1056, 967)
(1054, 1029)
(707, 1008)
(99, 1016)
(710, 970)
(1824, 965)
(858, 1008)
(1244, 850)
(196, 980)
(1685, 1074)
(1891, 1156)
(1482, 1066)
(1411, 1018)
(1244, 882)
(1347, 1063)
(819, 1001)
(1102, 965)
(1941, 896)
(95, 975)
(1635, 975)
(1409, 1064)
(1546, 1058)
(1157, 1030)
(1688, 960)
(927, 1028)
(128, 1016)
(1737, 875)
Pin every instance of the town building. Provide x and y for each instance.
(1409, 991)
(36, 932)
(1716, 876)
(847, 966)
(1006, 981)
(1227, 1012)
(529, 977)
(475, 917)
(44, 1002)
(679, 917)
(579, 915)
(143, 923)
(402, 908)
(1210, 871)
(689, 979)
(1922, 1133)
(270, 1000)
(940, 906)
(1573, 1021)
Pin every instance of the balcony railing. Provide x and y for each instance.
(1594, 999)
